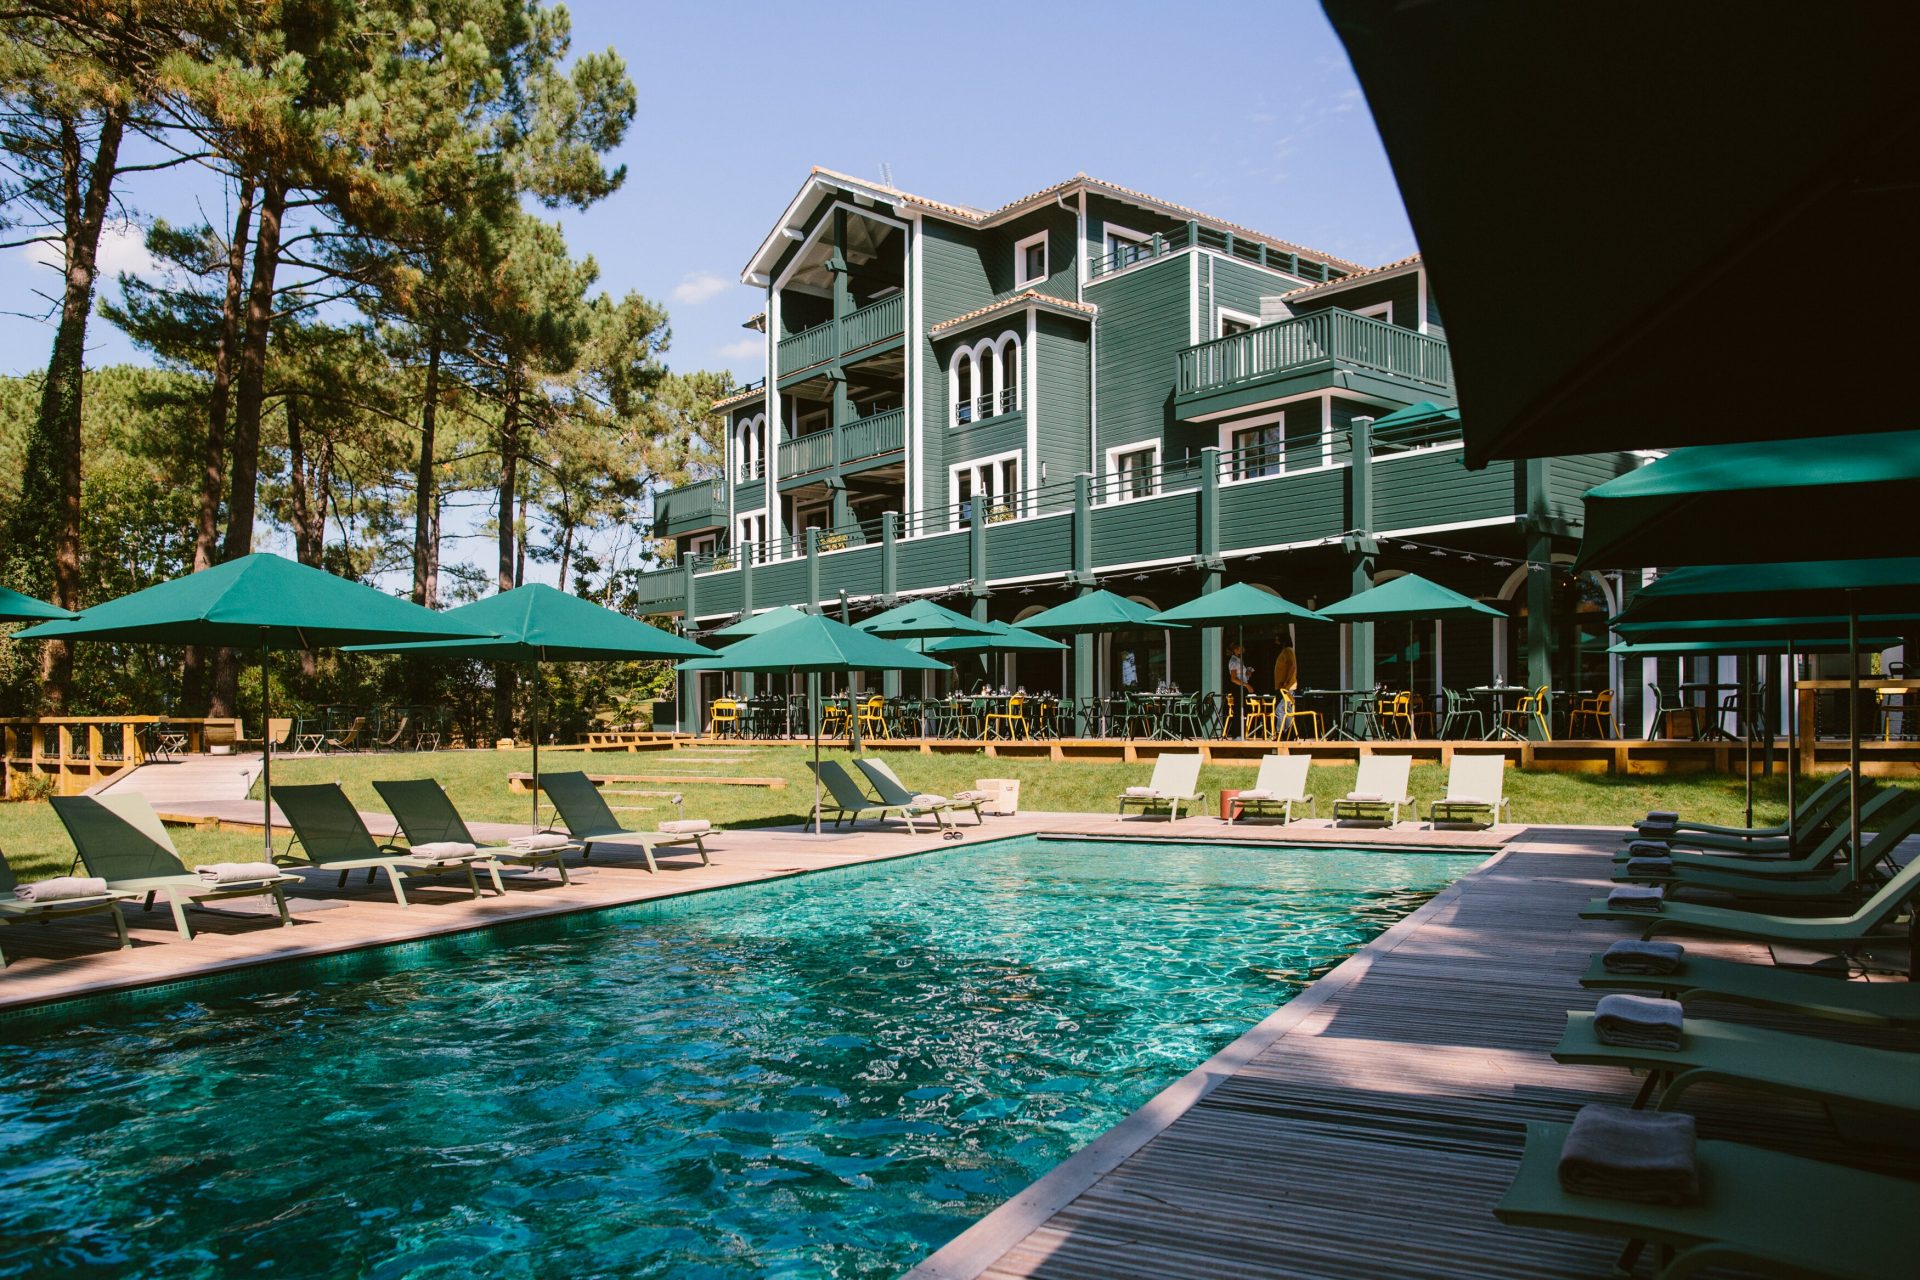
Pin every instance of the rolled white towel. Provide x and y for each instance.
(232, 872)
(1366, 797)
(976, 797)
(1663, 817)
(687, 827)
(1637, 897)
(443, 850)
(1648, 849)
(59, 888)
(544, 840)
(1645, 1156)
(1141, 793)
(1475, 801)
(928, 800)
(1257, 793)
(1649, 866)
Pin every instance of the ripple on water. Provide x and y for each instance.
(830, 1075)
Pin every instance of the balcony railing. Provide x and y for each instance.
(1128, 253)
(802, 454)
(872, 323)
(1317, 339)
(873, 435)
(990, 405)
(699, 505)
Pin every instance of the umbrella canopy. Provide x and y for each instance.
(759, 623)
(1823, 498)
(1001, 639)
(1409, 597)
(537, 623)
(922, 619)
(257, 601)
(1695, 648)
(815, 644)
(1094, 612)
(15, 607)
(1778, 631)
(1738, 172)
(1241, 602)
(1799, 589)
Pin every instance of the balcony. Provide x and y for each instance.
(1193, 235)
(991, 405)
(803, 455)
(690, 509)
(1298, 354)
(857, 330)
(873, 436)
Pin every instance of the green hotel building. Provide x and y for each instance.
(1094, 387)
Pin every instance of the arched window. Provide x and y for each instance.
(1007, 349)
(985, 379)
(961, 379)
(749, 447)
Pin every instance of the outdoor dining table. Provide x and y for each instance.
(1710, 712)
(1348, 705)
(1497, 695)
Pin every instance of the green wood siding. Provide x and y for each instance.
(1062, 272)
(1149, 529)
(1143, 325)
(1101, 211)
(1028, 547)
(1402, 291)
(953, 281)
(1003, 434)
(782, 583)
(1294, 508)
(1415, 490)
(936, 561)
(1238, 287)
(856, 569)
(1063, 397)
(717, 593)
(1568, 480)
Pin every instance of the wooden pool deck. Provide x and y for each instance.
(1368, 1128)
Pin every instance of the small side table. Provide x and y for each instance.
(1229, 804)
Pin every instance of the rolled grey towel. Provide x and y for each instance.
(1639, 1022)
(1663, 817)
(233, 872)
(1645, 866)
(1648, 849)
(1643, 1156)
(1637, 897)
(60, 888)
(1630, 955)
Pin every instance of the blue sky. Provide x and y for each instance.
(1246, 111)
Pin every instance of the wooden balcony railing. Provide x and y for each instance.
(873, 435)
(1330, 338)
(872, 323)
(802, 454)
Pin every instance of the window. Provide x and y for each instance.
(704, 544)
(752, 529)
(1132, 471)
(1258, 451)
(1379, 311)
(984, 379)
(817, 420)
(1232, 322)
(1124, 247)
(1030, 260)
(989, 488)
(749, 448)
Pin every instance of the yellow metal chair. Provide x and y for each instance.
(1261, 718)
(1532, 708)
(1596, 709)
(1292, 716)
(873, 717)
(833, 717)
(724, 719)
(1014, 718)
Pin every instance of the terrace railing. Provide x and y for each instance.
(804, 454)
(1129, 253)
(875, 322)
(873, 435)
(1318, 339)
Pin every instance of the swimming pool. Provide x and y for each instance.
(827, 1075)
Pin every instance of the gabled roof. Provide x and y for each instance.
(1386, 270)
(753, 391)
(1017, 302)
(881, 193)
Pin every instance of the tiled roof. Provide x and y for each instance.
(1408, 261)
(757, 392)
(1025, 299)
(985, 216)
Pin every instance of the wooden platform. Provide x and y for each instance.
(1368, 1128)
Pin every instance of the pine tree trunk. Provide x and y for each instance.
(45, 533)
(249, 398)
(213, 464)
(424, 539)
(505, 673)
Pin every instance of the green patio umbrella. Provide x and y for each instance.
(263, 602)
(813, 646)
(1000, 638)
(1408, 597)
(1092, 613)
(757, 624)
(1824, 498)
(1241, 602)
(1759, 140)
(537, 624)
(15, 607)
(921, 620)
(1887, 586)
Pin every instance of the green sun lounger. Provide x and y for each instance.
(18, 911)
(1815, 814)
(848, 803)
(1815, 855)
(426, 816)
(1758, 1210)
(887, 784)
(1812, 884)
(589, 821)
(1887, 1004)
(331, 836)
(121, 840)
(1175, 781)
(1684, 917)
(1773, 1061)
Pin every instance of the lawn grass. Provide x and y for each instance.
(36, 844)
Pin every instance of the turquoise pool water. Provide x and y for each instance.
(830, 1075)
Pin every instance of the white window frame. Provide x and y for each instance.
(994, 467)
(1021, 279)
(991, 358)
(743, 527)
(703, 544)
(1117, 490)
(750, 443)
(1228, 430)
(1378, 311)
(822, 417)
(1225, 314)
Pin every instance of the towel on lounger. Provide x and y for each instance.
(1257, 793)
(443, 850)
(1643, 1156)
(1636, 897)
(928, 800)
(1630, 955)
(231, 872)
(687, 827)
(1141, 793)
(1638, 1022)
(1648, 849)
(976, 797)
(1644, 866)
(1662, 817)
(60, 888)
(1366, 797)
(545, 840)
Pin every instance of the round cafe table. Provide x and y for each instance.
(1497, 695)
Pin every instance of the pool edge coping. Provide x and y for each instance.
(988, 1239)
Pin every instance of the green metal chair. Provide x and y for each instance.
(589, 821)
(427, 816)
(17, 911)
(330, 835)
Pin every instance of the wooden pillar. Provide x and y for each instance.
(1082, 580)
(689, 681)
(1361, 550)
(1537, 528)
(889, 583)
(1212, 570)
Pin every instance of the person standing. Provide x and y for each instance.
(1240, 682)
(1286, 668)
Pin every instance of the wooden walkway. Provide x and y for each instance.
(1368, 1128)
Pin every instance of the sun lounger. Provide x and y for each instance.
(121, 840)
(1476, 786)
(849, 803)
(331, 836)
(1773, 1061)
(1890, 816)
(1815, 850)
(1175, 781)
(19, 911)
(1818, 809)
(427, 817)
(1685, 917)
(1281, 784)
(1770, 986)
(1761, 1210)
(589, 822)
(1379, 792)
(891, 790)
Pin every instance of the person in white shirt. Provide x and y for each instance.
(1239, 681)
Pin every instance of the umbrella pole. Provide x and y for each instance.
(534, 827)
(266, 751)
(1853, 731)
(1746, 725)
(1788, 695)
(814, 710)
